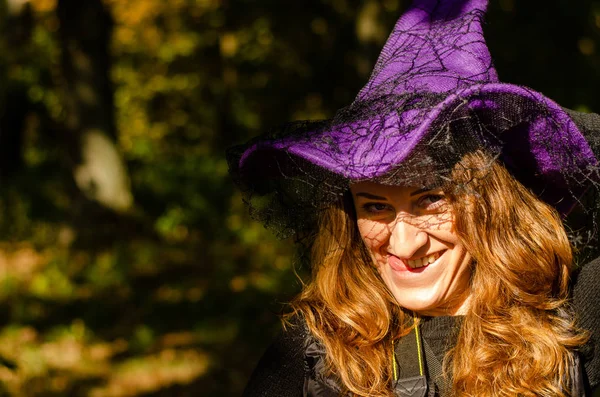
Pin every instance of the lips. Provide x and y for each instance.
(413, 265)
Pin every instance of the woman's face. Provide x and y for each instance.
(410, 234)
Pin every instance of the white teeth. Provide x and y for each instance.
(426, 260)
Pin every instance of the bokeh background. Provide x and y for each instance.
(128, 263)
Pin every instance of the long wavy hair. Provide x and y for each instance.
(518, 335)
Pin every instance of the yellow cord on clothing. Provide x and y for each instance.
(395, 365)
(419, 350)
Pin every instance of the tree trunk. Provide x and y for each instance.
(99, 170)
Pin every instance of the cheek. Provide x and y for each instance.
(374, 234)
(445, 232)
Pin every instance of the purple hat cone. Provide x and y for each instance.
(436, 46)
(435, 73)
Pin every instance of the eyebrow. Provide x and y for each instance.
(370, 196)
(374, 197)
(419, 191)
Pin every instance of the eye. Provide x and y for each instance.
(376, 208)
(431, 201)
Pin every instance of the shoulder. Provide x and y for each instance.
(586, 294)
(586, 302)
(280, 372)
(293, 366)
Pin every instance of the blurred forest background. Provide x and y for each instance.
(128, 263)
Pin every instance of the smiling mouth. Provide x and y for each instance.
(424, 261)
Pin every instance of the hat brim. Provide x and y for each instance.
(534, 137)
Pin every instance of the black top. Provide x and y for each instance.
(281, 371)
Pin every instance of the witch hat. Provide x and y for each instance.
(433, 96)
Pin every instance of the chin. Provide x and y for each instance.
(425, 307)
(433, 305)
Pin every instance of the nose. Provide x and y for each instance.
(406, 239)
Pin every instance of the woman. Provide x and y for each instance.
(432, 210)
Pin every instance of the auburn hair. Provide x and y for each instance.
(518, 335)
